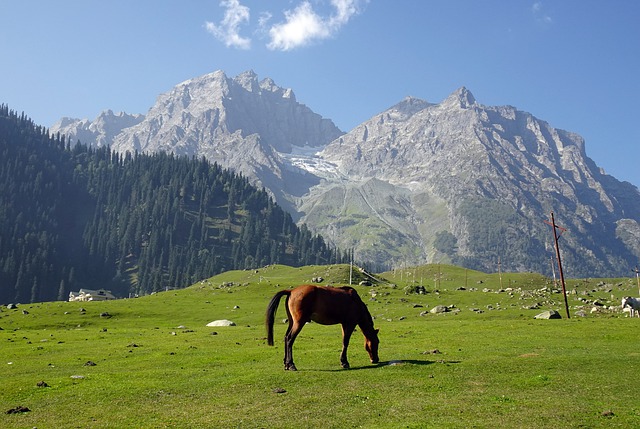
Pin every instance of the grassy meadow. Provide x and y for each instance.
(151, 362)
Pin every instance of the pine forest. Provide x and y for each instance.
(73, 217)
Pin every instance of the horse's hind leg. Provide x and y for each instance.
(287, 355)
(289, 339)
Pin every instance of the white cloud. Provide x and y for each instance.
(303, 25)
(539, 14)
(228, 31)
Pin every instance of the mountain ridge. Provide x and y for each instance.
(417, 171)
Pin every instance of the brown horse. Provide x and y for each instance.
(327, 306)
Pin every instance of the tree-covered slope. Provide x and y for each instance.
(77, 217)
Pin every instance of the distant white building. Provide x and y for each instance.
(91, 295)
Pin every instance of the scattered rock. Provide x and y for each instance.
(25, 312)
(607, 413)
(42, 384)
(549, 314)
(90, 363)
(18, 409)
(317, 280)
(222, 322)
(438, 309)
(12, 306)
(279, 390)
(105, 314)
(77, 377)
(432, 352)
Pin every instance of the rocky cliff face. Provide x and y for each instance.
(486, 177)
(455, 181)
(99, 132)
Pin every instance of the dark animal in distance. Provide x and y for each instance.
(326, 306)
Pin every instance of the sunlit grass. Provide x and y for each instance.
(485, 363)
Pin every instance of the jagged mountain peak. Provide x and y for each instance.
(98, 132)
(460, 98)
(248, 80)
(215, 76)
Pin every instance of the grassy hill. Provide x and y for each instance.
(151, 362)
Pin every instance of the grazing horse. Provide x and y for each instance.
(327, 306)
(633, 304)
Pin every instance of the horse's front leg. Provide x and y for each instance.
(347, 330)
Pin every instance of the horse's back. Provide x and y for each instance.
(325, 305)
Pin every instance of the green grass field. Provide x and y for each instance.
(152, 363)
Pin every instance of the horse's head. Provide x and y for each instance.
(371, 343)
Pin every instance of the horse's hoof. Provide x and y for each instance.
(345, 366)
(291, 367)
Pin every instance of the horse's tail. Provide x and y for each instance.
(271, 313)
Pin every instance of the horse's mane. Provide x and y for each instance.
(366, 318)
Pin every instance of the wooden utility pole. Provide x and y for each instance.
(556, 237)
(637, 277)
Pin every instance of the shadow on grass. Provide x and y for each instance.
(402, 362)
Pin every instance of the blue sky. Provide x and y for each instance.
(573, 63)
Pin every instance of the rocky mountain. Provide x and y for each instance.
(241, 123)
(472, 184)
(455, 181)
(101, 131)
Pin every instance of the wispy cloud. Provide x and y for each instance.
(302, 25)
(228, 31)
(540, 14)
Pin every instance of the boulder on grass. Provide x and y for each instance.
(439, 309)
(549, 314)
(222, 322)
